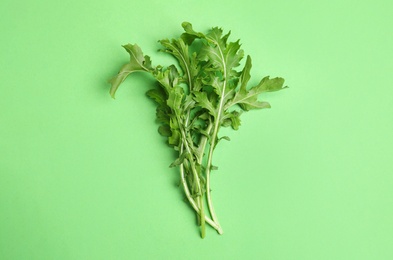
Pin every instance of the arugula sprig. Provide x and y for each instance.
(195, 98)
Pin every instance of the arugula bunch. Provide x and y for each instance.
(195, 99)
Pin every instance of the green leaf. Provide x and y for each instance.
(179, 50)
(137, 57)
(168, 77)
(175, 138)
(189, 103)
(224, 138)
(233, 56)
(221, 55)
(270, 85)
(165, 130)
(190, 35)
(245, 75)
(216, 82)
(248, 99)
(158, 95)
(232, 119)
(163, 114)
(138, 62)
(250, 103)
(179, 160)
(175, 98)
(215, 36)
(203, 101)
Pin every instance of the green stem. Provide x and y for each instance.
(213, 137)
(208, 170)
(203, 143)
(202, 217)
(190, 158)
(192, 201)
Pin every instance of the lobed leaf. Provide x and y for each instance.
(158, 95)
(231, 119)
(138, 62)
(179, 160)
(165, 130)
(248, 99)
(175, 99)
(190, 35)
(203, 101)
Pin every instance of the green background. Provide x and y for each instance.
(83, 176)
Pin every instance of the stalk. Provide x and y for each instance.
(196, 179)
(193, 203)
(208, 170)
(199, 202)
(214, 137)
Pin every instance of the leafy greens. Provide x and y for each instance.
(195, 98)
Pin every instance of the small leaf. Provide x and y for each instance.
(174, 139)
(179, 160)
(158, 95)
(250, 103)
(203, 101)
(232, 119)
(205, 133)
(165, 130)
(168, 78)
(225, 138)
(175, 98)
(190, 35)
(163, 114)
(189, 102)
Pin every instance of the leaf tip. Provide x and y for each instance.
(112, 93)
(185, 24)
(111, 90)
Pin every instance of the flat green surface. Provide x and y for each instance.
(83, 176)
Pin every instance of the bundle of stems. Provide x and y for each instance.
(197, 96)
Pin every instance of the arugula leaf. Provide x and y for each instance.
(195, 98)
(138, 62)
(248, 99)
(232, 119)
(202, 100)
(175, 99)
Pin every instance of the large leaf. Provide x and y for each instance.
(179, 50)
(245, 75)
(219, 54)
(138, 62)
(248, 99)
